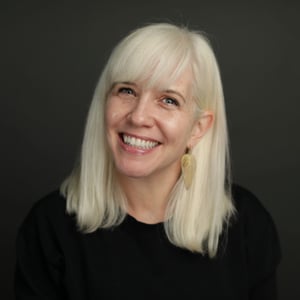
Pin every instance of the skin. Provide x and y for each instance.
(165, 119)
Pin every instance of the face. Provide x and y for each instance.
(149, 129)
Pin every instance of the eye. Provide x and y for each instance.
(170, 101)
(126, 91)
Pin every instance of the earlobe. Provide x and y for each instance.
(201, 127)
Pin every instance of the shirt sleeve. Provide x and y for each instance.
(263, 250)
(266, 289)
(39, 262)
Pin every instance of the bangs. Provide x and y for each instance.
(154, 58)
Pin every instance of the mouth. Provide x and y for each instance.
(137, 142)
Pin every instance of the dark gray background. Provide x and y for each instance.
(52, 54)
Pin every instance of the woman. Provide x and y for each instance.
(149, 211)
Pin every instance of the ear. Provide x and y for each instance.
(200, 128)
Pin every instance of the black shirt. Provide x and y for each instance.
(136, 260)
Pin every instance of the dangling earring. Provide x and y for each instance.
(188, 168)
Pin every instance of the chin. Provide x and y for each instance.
(132, 173)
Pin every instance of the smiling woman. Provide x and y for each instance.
(150, 211)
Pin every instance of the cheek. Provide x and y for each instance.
(111, 122)
(112, 116)
(178, 130)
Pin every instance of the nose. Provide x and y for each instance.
(141, 113)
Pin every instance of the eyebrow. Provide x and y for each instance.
(124, 82)
(121, 82)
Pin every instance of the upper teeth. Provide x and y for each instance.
(136, 142)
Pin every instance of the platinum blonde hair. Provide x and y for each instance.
(195, 217)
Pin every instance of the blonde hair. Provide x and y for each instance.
(195, 217)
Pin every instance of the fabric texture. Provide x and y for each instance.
(136, 260)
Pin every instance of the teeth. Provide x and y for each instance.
(139, 143)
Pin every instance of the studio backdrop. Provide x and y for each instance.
(52, 53)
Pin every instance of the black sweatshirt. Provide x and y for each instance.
(136, 260)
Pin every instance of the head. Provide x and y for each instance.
(158, 56)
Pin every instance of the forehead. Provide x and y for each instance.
(182, 83)
(178, 78)
(151, 75)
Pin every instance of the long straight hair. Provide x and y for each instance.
(195, 217)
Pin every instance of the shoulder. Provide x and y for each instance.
(53, 203)
(251, 214)
(47, 213)
(247, 206)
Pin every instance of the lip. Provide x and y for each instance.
(136, 150)
(139, 137)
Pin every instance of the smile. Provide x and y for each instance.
(138, 143)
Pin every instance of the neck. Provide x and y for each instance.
(147, 198)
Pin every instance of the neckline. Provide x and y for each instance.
(133, 220)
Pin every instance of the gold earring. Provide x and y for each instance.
(188, 168)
